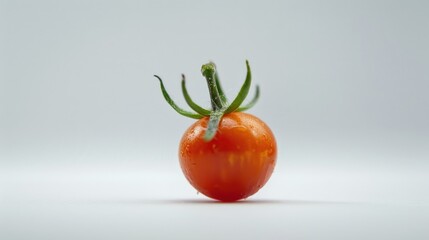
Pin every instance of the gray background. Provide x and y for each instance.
(344, 88)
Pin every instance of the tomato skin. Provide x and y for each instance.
(235, 164)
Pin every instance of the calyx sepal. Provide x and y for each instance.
(219, 102)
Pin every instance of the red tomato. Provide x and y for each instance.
(227, 155)
(236, 163)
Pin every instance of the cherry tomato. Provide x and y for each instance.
(226, 154)
(235, 164)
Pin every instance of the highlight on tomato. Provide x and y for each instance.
(227, 155)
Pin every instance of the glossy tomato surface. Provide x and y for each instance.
(236, 163)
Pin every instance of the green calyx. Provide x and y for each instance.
(219, 103)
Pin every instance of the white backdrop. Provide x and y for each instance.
(86, 136)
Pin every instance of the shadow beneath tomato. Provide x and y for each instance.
(254, 202)
(214, 202)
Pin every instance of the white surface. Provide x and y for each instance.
(88, 146)
(141, 202)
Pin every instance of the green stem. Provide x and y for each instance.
(208, 70)
(219, 87)
(213, 125)
(219, 102)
